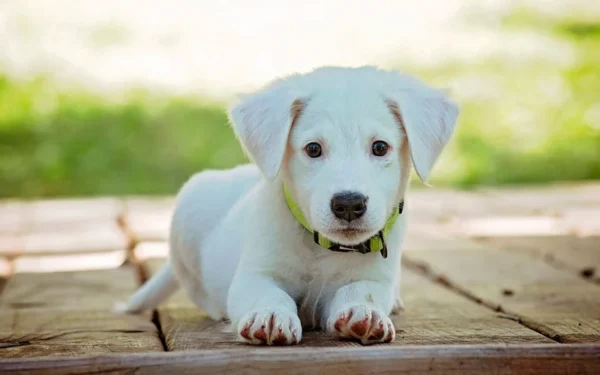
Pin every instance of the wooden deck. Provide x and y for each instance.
(494, 281)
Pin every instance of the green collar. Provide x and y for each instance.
(373, 244)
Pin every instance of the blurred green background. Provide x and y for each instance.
(532, 121)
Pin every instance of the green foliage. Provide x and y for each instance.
(54, 144)
(526, 121)
(529, 122)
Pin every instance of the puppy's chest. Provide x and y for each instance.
(327, 267)
(321, 279)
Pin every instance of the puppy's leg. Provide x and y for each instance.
(360, 311)
(263, 312)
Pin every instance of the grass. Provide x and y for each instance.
(532, 122)
(54, 144)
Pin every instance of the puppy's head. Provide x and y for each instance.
(343, 140)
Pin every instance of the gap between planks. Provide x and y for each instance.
(445, 282)
(555, 303)
(2, 284)
(142, 272)
(580, 255)
(143, 276)
(434, 315)
(69, 313)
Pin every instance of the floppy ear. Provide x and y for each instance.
(262, 123)
(428, 118)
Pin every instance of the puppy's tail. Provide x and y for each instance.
(152, 293)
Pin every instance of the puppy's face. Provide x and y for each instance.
(344, 137)
(344, 164)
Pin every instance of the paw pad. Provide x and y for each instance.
(363, 324)
(270, 327)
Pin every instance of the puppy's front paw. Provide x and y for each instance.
(359, 322)
(270, 327)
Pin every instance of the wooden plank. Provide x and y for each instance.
(554, 210)
(444, 203)
(11, 245)
(63, 314)
(584, 221)
(496, 226)
(581, 222)
(148, 219)
(104, 236)
(73, 290)
(56, 213)
(555, 302)
(427, 236)
(578, 254)
(151, 250)
(98, 245)
(437, 315)
(380, 360)
(13, 216)
(24, 216)
(69, 262)
(434, 315)
(61, 226)
(96, 237)
(549, 199)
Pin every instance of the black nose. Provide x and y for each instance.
(348, 205)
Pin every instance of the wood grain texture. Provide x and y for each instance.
(534, 281)
(437, 315)
(380, 360)
(60, 314)
(434, 315)
(577, 254)
(555, 302)
(74, 290)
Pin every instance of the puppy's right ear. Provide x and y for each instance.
(262, 122)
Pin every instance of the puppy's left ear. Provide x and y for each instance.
(262, 123)
(427, 116)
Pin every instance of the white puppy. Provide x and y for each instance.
(310, 236)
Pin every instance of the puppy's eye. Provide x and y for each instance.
(380, 148)
(313, 150)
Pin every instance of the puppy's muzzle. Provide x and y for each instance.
(348, 205)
